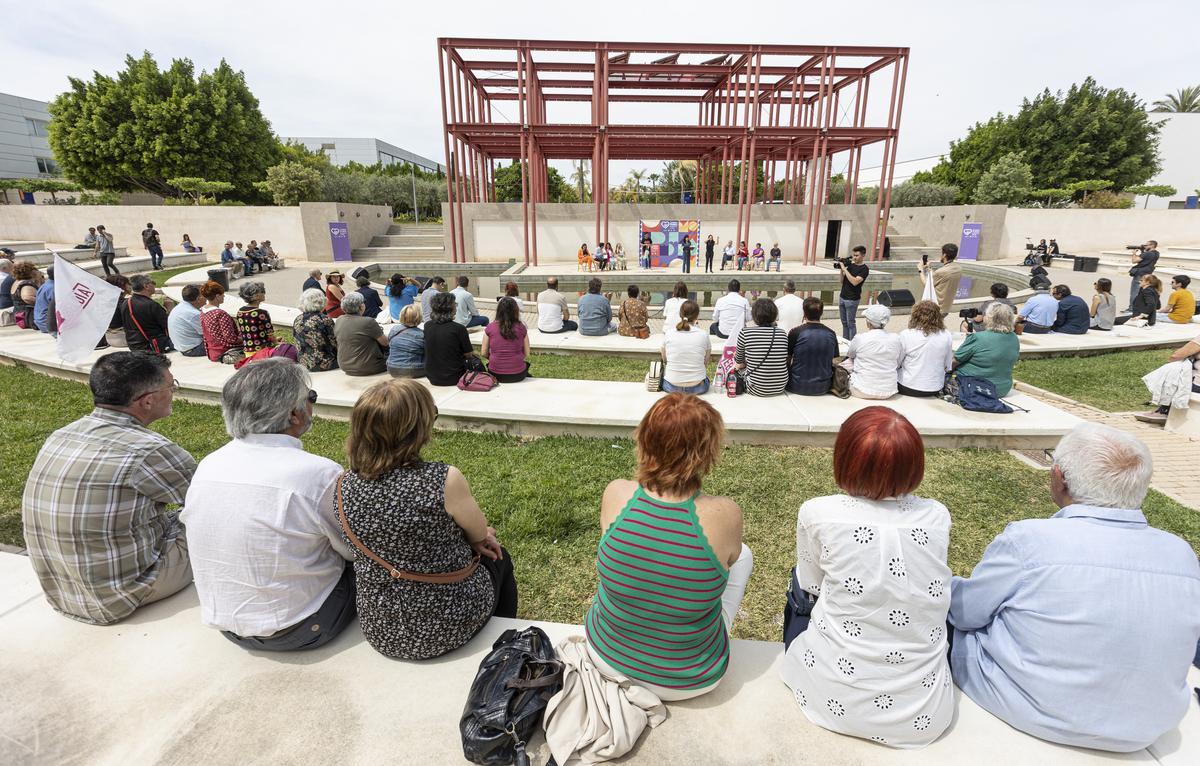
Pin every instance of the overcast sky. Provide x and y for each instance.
(362, 68)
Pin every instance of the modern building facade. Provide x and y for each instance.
(364, 151)
(24, 149)
(1179, 154)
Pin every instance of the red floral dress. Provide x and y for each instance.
(220, 333)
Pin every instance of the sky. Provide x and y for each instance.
(359, 68)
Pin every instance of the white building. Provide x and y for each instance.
(1179, 154)
(24, 150)
(364, 151)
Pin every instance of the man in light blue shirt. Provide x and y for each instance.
(1039, 313)
(43, 303)
(595, 312)
(1080, 628)
(464, 306)
(183, 323)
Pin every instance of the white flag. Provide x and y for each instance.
(928, 293)
(84, 304)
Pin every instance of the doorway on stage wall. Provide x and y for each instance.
(833, 233)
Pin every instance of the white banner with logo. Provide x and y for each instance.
(84, 305)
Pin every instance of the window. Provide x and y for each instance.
(47, 166)
(328, 147)
(36, 127)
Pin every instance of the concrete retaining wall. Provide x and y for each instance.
(1090, 231)
(942, 224)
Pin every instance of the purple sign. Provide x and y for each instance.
(339, 238)
(968, 246)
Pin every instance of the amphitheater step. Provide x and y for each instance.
(399, 254)
(914, 253)
(407, 240)
(905, 240)
(416, 228)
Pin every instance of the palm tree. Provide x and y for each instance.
(580, 176)
(635, 178)
(1185, 100)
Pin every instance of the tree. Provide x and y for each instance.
(290, 183)
(1106, 200)
(196, 188)
(1152, 190)
(1183, 100)
(299, 153)
(144, 126)
(50, 186)
(635, 179)
(1092, 185)
(1007, 182)
(579, 177)
(914, 194)
(1089, 132)
(508, 183)
(1051, 196)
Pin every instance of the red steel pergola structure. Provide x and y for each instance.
(785, 110)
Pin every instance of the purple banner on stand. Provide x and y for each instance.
(968, 246)
(339, 238)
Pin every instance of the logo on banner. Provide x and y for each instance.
(83, 294)
(971, 233)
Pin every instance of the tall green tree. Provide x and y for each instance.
(1088, 132)
(143, 126)
(1183, 100)
(1009, 181)
(508, 184)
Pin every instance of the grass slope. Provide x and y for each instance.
(1111, 382)
(544, 495)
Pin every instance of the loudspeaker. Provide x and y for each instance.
(896, 298)
(359, 272)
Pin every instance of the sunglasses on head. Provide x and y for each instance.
(312, 396)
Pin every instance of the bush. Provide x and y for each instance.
(1008, 181)
(231, 203)
(290, 183)
(99, 198)
(1106, 200)
(910, 194)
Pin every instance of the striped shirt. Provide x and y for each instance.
(764, 351)
(656, 616)
(95, 513)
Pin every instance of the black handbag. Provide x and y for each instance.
(508, 697)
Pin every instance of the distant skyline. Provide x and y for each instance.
(368, 69)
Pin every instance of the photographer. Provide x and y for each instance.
(999, 293)
(946, 278)
(1144, 258)
(854, 272)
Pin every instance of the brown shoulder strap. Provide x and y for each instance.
(397, 573)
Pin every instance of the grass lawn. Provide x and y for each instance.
(160, 277)
(1111, 382)
(547, 516)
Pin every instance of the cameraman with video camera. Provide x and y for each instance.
(1144, 258)
(854, 273)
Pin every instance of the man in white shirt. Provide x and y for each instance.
(731, 312)
(553, 314)
(791, 308)
(270, 567)
(465, 312)
(876, 356)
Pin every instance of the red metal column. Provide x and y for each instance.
(902, 65)
(884, 197)
(521, 87)
(531, 119)
(446, 145)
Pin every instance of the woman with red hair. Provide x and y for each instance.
(871, 576)
(672, 567)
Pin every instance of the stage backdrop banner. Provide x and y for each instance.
(968, 246)
(666, 239)
(339, 238)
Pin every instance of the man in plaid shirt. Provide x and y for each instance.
(100, 537)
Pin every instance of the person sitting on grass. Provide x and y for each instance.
(506, 344)
(1103, 311)
(685, 352)
(406, 345)
(183, 323)
(762, 351)
(633, 316)
(316, 342)
(992, 353)
(96, 506)
(447, 344)
(595, 311)
(811, 349)
(421, 518)
(372, 304)
(1165, 387)
(361, 343)
(272, 571)
(466, 313)
(222, 339)
(1181, 304)
(864, 627)
(876, 356)
(679, 587)
(928, 353)
(1093, 575)
(1074, 315)
(1146, 302)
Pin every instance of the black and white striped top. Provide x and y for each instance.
(764, 352)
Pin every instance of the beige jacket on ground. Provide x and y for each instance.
(596, 718)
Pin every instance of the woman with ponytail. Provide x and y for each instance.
(685, 352)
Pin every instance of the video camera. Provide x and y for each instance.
(841, 263)
(1135, 247)
(968, 313)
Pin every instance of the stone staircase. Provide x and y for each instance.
(909, 247)
(405, 243)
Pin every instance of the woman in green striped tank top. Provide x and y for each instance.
(671, 565)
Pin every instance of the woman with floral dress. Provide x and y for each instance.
(313, 331)
(254, 323)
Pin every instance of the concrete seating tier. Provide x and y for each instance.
(1185, 421)
(1169, 258)
(544, 407)
(186, 695)
(20, 245)
(45, 256)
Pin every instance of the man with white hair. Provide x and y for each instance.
(271, 570)
(1079, 628)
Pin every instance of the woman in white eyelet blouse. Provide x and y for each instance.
(872, 662)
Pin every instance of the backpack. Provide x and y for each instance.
(975, 394)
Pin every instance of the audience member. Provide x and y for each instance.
(853, 276)
(153, 244)
(685, 352)
(89, 240)
(270, 256)
(406, 345)
(670, 310)
(188, 246)
(443, 583)
(114, 336)
(1166, 389)
(876, 356)
(314, 331)
(272, 572)
(465, 312)
(945, 278)
(871, 579)
(688, 581)
(144, 319)
(992, 353)
(372, 305)
(1146, 303)
(1143, 262)
(927, 352)
(95, 514)
(1074, 315)
(999, 294)
(447, 344)
(26, 281)
(595, 312)
(512, 291)
(6, 283)
(633, 316)
(222, 339)
(811, 349)
(1039, 313)
(435, 286)
(730, 313)
(762, 352)
(506, 344)
(183, 323)
(790, 307)
(553, 314)
(239, 266)
(360, 340)
(1181, 304)
(1103, 310)
(253, 321)
(397, 296)
(313, 282)
(1079, 629)
(334, 292)
(43, 302)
